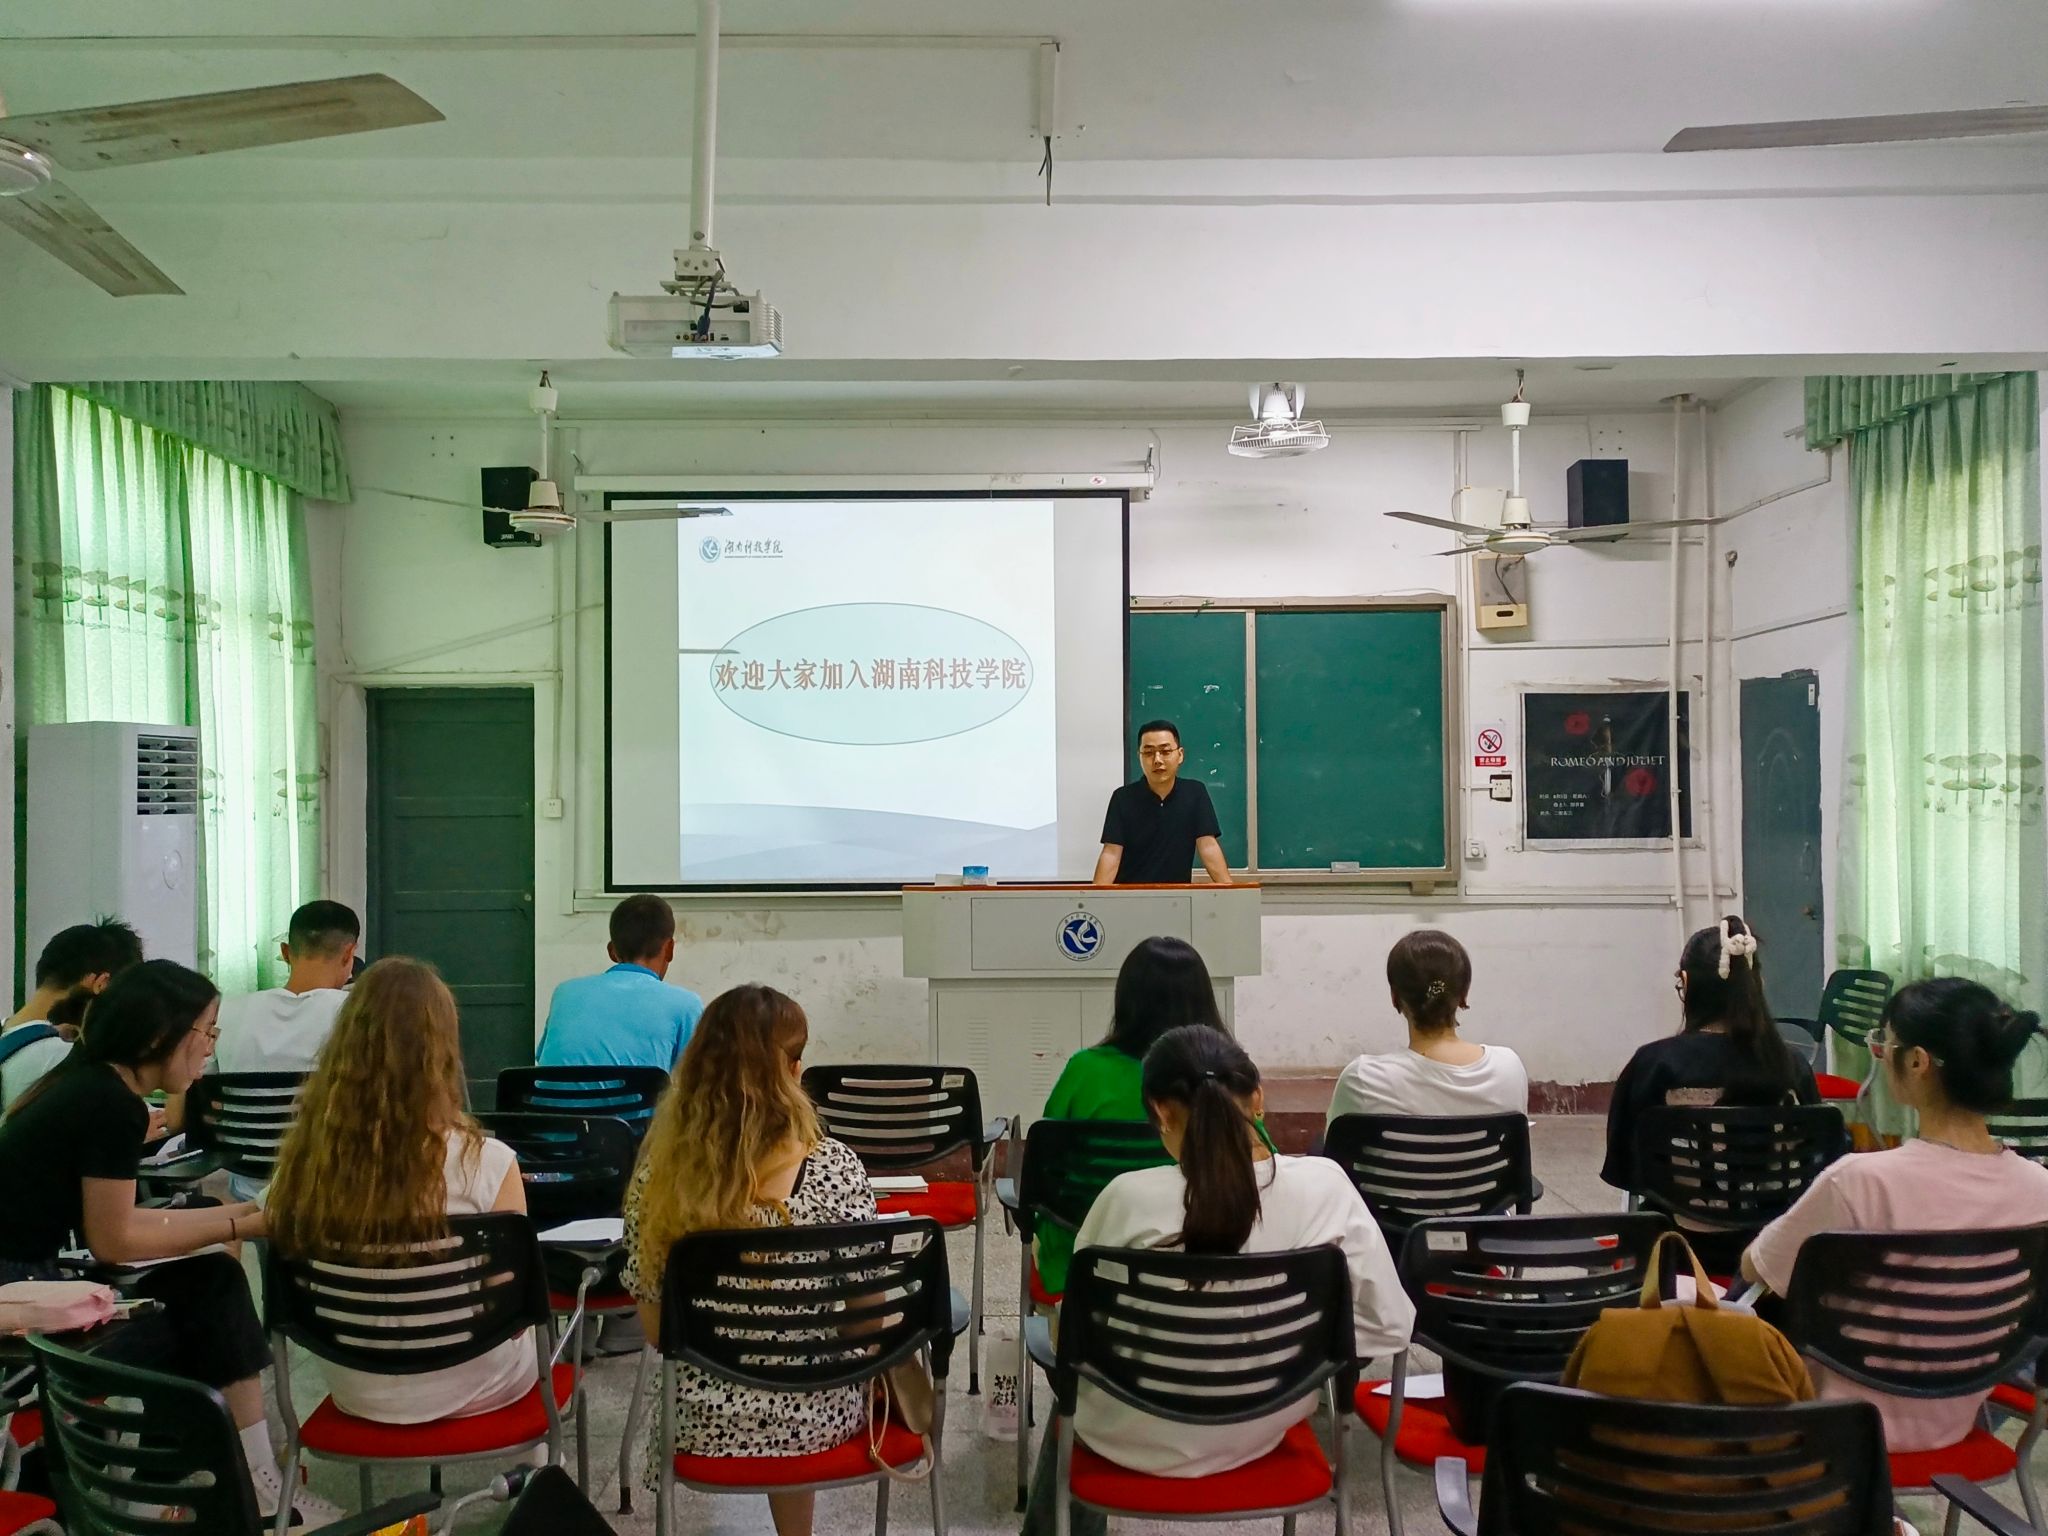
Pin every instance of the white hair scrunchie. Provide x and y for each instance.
(1734, 945)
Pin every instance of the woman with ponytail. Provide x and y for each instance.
(1728, 1050)
(1429, 975)
(1226, 1191)
(1948, 1049)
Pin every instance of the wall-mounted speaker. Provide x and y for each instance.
(1596, 493)
(504, 487)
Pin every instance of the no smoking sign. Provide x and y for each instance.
(1490, 747)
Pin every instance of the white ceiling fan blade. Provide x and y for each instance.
(1623, 530)
(1891, 128)
(656, 511)
(65, 225)
(139, 132)
(1435, 522)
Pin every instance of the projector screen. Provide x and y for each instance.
(830, 691)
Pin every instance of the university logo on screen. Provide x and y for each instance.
(711, 549)
(871, 674)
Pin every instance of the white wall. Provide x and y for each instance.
(1573, 951)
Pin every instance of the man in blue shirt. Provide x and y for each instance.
(627, 1016)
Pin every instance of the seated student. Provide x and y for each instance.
(1429, 975)
(627, 1016)
(1163, 985)
(67, 1161)
(281, 1029)
(1225, 1192)
(74, 968)
(736, 1143)
(1728, 1052)
(1948, 1049)
(383, 1153)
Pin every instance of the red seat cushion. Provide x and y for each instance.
(1039, 1293)
(1833, 1087)
(949, 1202)
(334, 1433)
(1425, 1428)
(600, 1298)
(1294, 1472)
(2014, 1398)
(25, 1429)
(843, 1462)
(19, 1511)
(1979, 1457)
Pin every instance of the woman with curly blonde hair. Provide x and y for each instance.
(383, 1153)
(735, 1143)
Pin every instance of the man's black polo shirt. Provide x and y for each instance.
(1158, 836)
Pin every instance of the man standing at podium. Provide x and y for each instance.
(1159, 825)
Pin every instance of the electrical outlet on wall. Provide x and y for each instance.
(1475, 851)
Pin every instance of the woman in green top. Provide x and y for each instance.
(1163, 985)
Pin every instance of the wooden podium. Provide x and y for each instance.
(1022, 976)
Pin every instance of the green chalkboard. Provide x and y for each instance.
(1351, 738)
(1188, 667)
(1345, 713)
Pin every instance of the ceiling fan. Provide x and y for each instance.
(1888, 128)
(35, 204)
(1517, 535)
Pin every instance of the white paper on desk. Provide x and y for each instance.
(594, 1232)
(897, 1184)
(1420, 1388)
(84, 1256)
(174, 1147)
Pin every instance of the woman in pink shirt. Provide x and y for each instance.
(1948, 1047)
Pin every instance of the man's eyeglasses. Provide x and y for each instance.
(1157, 751)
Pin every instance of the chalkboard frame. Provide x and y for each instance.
(1422, 879)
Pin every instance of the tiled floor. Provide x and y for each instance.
(979, 1473)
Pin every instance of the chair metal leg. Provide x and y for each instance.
(1023, 1378)
(1390, 1464)
(1287, 1526)
(1952, 1522)
(882, 1505)
(665, 1462)
(434, 1478)
(363, 1488)
(581, 1408)
(938, 1484)
(636, 1421)
(1063, 1496)
(975, 1311)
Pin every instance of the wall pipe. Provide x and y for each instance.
(1708, 812)
(1678, 405)
(704, 141)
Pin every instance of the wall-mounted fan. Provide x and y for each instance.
(45, 210)
(1517, 535)
(1278, 429)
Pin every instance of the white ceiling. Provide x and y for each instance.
(557, 113)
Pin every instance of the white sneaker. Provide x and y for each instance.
(308, 1513)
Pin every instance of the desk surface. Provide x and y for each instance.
(1080, 885)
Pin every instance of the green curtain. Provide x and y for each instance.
(1841, 405)
(280, 430)
(157, 582)
(1944, 863)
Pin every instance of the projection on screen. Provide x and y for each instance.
(819, 692)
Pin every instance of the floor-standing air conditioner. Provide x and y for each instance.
(113, 831)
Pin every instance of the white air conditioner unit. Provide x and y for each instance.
(113, 831)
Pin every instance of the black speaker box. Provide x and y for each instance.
(505, 486)
(1596, 491)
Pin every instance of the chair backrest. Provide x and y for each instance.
(140, 1452)
(573, 1166)
(1206, 1338)
(1852, 1003)
(1961, 1311)
(899, 1117)
(403, 1313)
(620, 1093)
(1561, 1460)
(803, 1309)
(1733, 1169)
(1510, 1296)
(1410, 1168)
(1067, 1163)
(1802, 1038)
(2023, 1126)
(241, 1118)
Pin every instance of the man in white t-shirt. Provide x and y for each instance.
(282, 1029)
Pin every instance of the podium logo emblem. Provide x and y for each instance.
(1080, 935)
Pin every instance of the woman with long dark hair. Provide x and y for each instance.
(1728, 1051)
(68, 1155)
(1163, 985)
(1226, 1191)
(1948, 1049)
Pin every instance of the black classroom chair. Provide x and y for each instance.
(1410, 1168)
(1561, 1460)
(620, 1093)
(1723, 1175)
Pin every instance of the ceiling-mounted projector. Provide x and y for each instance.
(733, 325)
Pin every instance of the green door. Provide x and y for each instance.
(451, 857)
(1781, 836)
